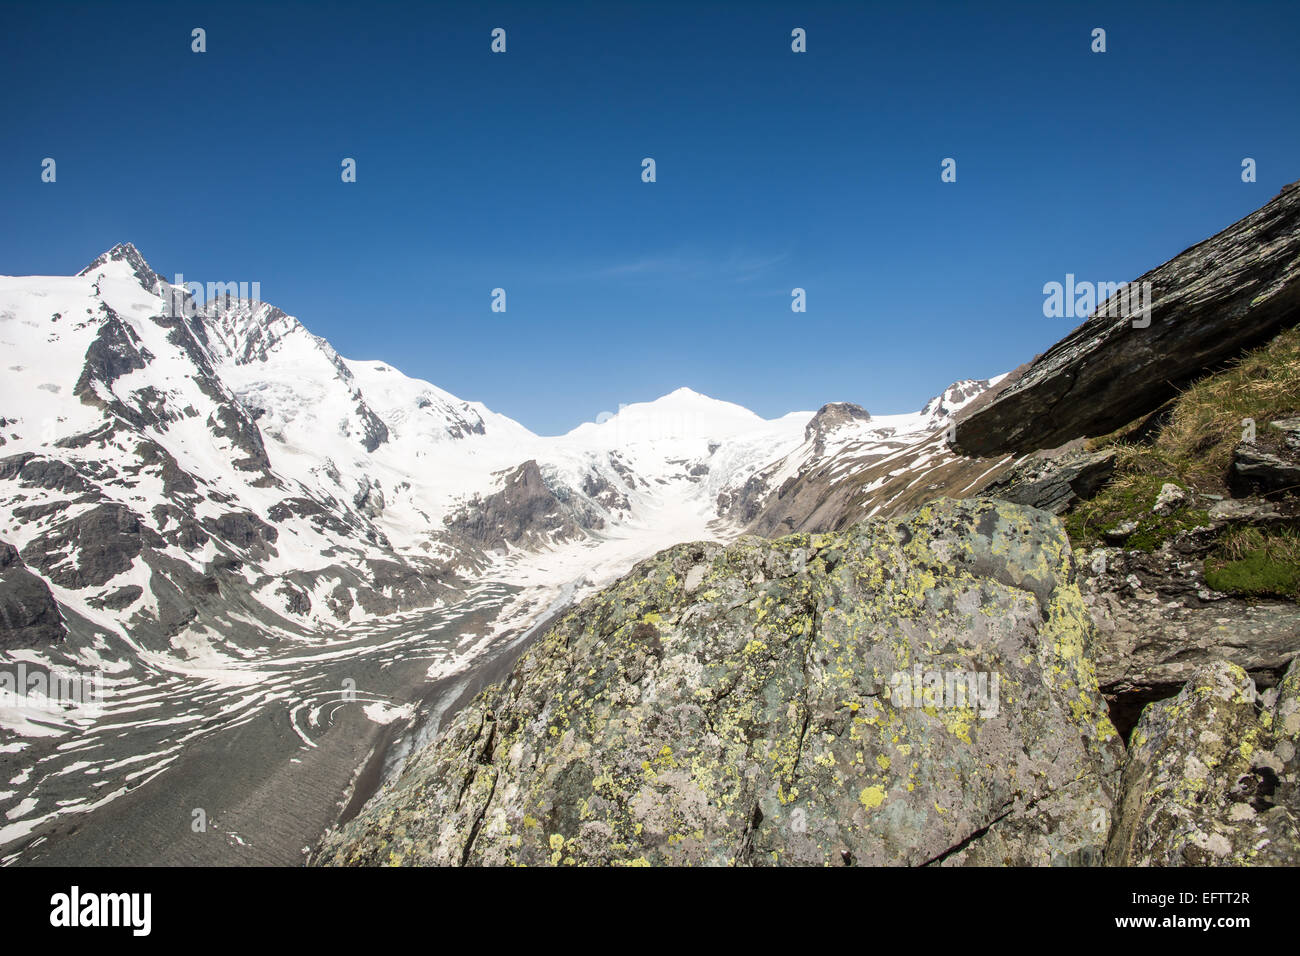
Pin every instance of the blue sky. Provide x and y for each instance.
(523, 171)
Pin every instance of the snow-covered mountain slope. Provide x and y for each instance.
(136, 480)
(184, 476)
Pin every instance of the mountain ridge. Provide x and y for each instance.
(209, 505)
(323, 465)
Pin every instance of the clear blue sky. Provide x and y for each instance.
(523, 170)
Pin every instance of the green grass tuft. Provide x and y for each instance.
(1130, 498)
(1256, 562)
(1193, 450)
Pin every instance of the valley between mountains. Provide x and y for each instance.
(285, 563)
(344, 617)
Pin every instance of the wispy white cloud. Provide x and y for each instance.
(734, 266)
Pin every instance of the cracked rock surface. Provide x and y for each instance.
(1212, 775)
(1055, 484)
(1158, 621)
(744, 706)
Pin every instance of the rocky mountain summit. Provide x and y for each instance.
(828, 419)
(29, 615)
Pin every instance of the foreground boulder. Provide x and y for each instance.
(1208, 305)
(1212, 776)
(909, 691)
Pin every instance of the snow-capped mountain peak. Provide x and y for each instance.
(128, 256)
(957, 396)
(682, 414)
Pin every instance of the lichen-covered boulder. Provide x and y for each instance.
(903, 692)
(1212, 776)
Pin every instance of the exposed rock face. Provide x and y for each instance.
(90, 548)
(828, 418)
(525, 509)
(754, 705)
(50, 474)
(29, 616)
(1158, 620)
(369, 499)
(604, 493)
(115, 353)
(1211, 778)
(1055, 484)
(1272, 470)
(1255, 471)
(1208, 304)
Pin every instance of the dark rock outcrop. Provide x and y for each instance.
(369, 499)
(29, 615)
(12, 466)
(829, 417)
(1208, 304)
(245, 531)
(91, 547)
(1272, 470)
(52, 475)
(1255, 471)
(119, 598)
(115, 352)
(525, 509)
(1055, 484)
(604, 493)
